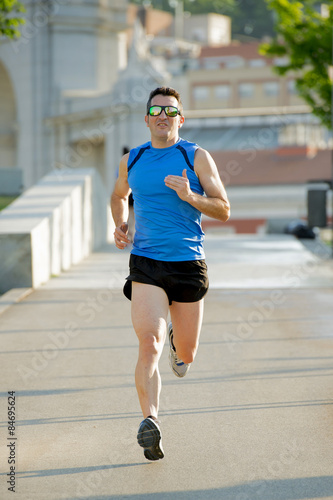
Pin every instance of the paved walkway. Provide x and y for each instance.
(252, 420)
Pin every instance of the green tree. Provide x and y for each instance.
(304, 37)
(9, 18)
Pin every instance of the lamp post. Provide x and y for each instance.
(327, 12)
(178, 5)
(331, 80)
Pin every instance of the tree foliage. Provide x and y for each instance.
(10, 18)
(304, 38)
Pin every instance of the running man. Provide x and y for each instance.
(173, 182)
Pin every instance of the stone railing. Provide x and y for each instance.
(51, 226)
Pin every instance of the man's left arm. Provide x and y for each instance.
(215, 204)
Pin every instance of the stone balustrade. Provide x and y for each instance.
(51, 226)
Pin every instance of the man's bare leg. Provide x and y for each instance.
(186, 320)
(149, 317)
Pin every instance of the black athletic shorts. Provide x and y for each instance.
(184, 281)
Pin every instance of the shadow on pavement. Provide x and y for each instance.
(283, 489)
(73, 470)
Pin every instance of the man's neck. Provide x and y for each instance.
(163, 143)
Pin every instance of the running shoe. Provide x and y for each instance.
(150, 439)
(178, 367)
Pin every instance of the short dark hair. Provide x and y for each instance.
(165, 91)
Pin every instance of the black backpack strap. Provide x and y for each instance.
(137, 158)
(184, 153)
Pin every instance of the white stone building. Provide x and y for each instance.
(68, 95)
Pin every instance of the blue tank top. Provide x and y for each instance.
(166, 227)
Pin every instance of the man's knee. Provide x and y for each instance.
(186, 353)
(150, 346)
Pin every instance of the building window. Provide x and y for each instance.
(291, 86)
(281, 61)
(257, 63)
(271, 89)
(211, 63)
(234, 62)
(222, 92)
(246, 90)
(200, 93)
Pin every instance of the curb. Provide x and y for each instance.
(317, 248)
(12, 297)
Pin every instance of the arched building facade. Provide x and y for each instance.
(68, 96)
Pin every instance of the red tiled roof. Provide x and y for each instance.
(245, 50)
(246, 168)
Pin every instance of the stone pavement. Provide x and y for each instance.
(253, 419)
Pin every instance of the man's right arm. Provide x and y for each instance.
(119, 205)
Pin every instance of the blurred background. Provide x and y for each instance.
(255, 80)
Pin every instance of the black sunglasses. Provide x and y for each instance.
(169, 111)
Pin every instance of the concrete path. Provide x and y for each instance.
(253, 419)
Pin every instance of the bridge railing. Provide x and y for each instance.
(51, 226)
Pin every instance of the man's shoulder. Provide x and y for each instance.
(136, 153)
(145, 145)
(188, 150)
(187, 144)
